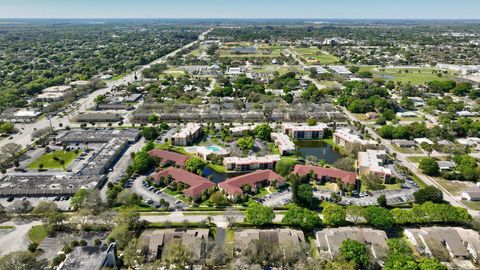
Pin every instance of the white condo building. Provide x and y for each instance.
(304, 132)
(187, 135)
(283, 142)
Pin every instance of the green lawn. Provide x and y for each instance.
(416, 76)
(7, 227)
(217, 168)
(416, 159)
(262, 193)
(49, 162)
(472, 205)
(37, 234)
(454, 187)
(406, 150)
(314, 55)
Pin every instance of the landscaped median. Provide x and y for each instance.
(37, 234)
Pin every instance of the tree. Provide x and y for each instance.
(141, 162)
(399, 256)
(150, 133)
(334, 215)
(246, 143)
(354, 251)
(285, 166)
(100, 99)
(258, 215)
(431, 264)
(131, 256)
(121, 235)
(429, 166)
(429, 193)
(304, 195)
(78, 198)
(382, 200)
(379, 217)
(176, 253)
(339, 263)
(44, 208)
(55, 221)
(3, 214)
(19, 260)
(195, 164)
(346, 164)
(218, 199)
(263, 131)
(311, 121)
(11, 150)
(356, 213)
(302, 218)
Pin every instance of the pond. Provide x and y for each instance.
(219, 177)
(318, 149)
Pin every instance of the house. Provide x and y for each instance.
(195, 183)
(283, 142)
(233, 186)
(187, 135)
(446, 165)
(472, 194)
(328, 241)
(372, 162)
(406, 114)
(54, 93)
(241, 130)
(304, 132)
(346, 138)
(459, 244)
(91, 258)
(372, 115)
(235, 71)
(167, 157)
(99, 117)
(326, 173)
(251, 163)
(404, 143)
(244, 50)
(282, 238)
(342, 70)
(419, 141)
(470, 141)
(157, 242)
(467, 114)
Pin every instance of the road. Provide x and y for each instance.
(413, 167)
(16, 239)
(24, 137)
(220, 219)
(120, 168)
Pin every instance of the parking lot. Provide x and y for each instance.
(61, 201)
(153, 196)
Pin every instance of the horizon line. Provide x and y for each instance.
(233, 18)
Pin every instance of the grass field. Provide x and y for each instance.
(314, 55)
(263, 50)
(272, 68)
(406, 150)
(37, 234)
(415, 76)
(454, 187)
(416, 159)
(49, 162)
(7, 227)
(472, 205)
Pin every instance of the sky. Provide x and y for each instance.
(327, 9)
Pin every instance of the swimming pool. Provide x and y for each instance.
(214, 148)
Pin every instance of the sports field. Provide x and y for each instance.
(314, 55)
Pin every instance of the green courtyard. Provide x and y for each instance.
(54, 159)
(314, 55)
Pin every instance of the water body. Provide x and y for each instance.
(219, 177)
(319, 149)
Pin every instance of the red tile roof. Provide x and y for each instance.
(234, 185)
(346, 177)
(197, 183)
(167, 156)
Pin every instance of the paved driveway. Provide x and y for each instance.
(16, 239)
(138, 188)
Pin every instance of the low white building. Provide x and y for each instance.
(251, 163)
(342, 70)
(407, 114)
(241, 130)
(472, 194)
(187, 135)
(283, 142)
(345, 137)
(419, 141)
(304, 132)
(371, 162)
(235, 71)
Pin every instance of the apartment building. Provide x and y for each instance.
(187, 135)
(283, 142)
(372, 162)
(251, 163)
(304, 132)
(345, 137)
